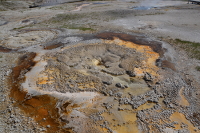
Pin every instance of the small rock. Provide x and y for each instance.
(148, 77)
(11, 116)
(131, 74)
(125, 86)
(110, 93)
(119, 85)
(119, 94)
(48, 126)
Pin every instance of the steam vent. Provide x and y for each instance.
(99, 67)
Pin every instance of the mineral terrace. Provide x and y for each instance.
(121, 66)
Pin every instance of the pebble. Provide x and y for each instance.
(48, 126)
(11, 116)
(119, 85)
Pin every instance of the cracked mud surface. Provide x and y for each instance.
(61, 73)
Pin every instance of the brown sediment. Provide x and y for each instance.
(183, 100)
(53, 46)
(180, 118)
(147, 105)
(151, 56)
(168, 64)
(41, 108)
(45, 80)
(156, 46)
(5, 50)
(122, 121)
(25, 63)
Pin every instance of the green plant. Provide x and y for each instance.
(19, 28)
(198, 68)
(56, 8)
(66, 17)
(192, 48)
(22, 27)
(194, 44)
(2, 9)
(9, 5)
(156, 13)
(77, 27)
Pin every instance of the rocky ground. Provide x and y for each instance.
(99, 66)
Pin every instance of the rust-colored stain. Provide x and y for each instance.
(25, 63)
(53, 46)
(42, 108)
(148, 64)
(5, 50)
(156, 46)
(138, 72)
(180, 118)
(45, 80)
(43, 112)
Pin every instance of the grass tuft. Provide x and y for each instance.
(77, 27)
(9, 5)
(192, 48)
(198, 68)
(66, 17)
(20, 28)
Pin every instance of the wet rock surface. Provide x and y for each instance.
(112, 80)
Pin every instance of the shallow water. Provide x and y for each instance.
(143, 8)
